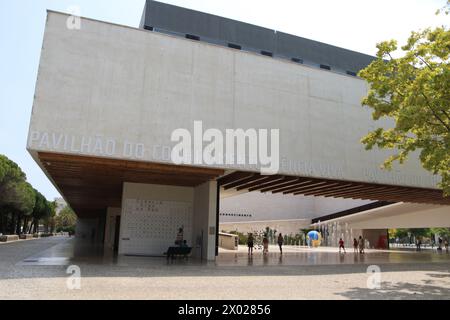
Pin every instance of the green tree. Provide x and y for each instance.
(420, 232)
(66, 220)
(414, 90)
(17, 197)
(401, 233)
(443, 232)
(40, 211)
(50, 216)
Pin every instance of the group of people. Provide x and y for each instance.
(358, 245)
(251, 243)
(441, 243)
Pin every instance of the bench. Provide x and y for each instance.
(172, 252)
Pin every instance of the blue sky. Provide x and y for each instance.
(352, 24)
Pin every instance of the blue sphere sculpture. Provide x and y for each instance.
(314, 239)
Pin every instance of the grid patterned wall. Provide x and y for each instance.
(149, 227)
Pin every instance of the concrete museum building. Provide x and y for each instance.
(108, 98)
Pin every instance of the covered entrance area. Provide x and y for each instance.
(329, 188)
(337, 209)
(136, 208)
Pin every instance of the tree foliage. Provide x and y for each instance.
(419, 233)
(19, 202)
(10, 174)
(414, 90)
(443, 232)
(66, 220)
(17, 197)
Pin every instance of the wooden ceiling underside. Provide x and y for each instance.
(280, 184)
(91, 184)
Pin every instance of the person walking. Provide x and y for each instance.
(341, 245)
(440, 244)
(355, 245)
(446, 244)
(361, 245)
(280, 242)
(265, 245)
(250, 243)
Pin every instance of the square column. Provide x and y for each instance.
(205, 220)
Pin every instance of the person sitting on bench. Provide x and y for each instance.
(183, 250)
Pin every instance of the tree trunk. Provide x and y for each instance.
(30, 228)
(25, 225)
(36, 226)
(12, 224)
(4, 218)
(19, 219)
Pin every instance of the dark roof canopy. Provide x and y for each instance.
(175, 20)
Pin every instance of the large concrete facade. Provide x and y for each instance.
(123, 91)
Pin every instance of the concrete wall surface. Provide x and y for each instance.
(121, 92)
(228, 241)
(268, 206)
(284, 226)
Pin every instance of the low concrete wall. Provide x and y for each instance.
(9, 238)
(25, 236)
(228, 241)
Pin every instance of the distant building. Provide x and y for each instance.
(60, 204)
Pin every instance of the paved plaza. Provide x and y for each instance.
(36, 269)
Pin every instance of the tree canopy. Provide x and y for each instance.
(414, 90)
(19, 201)
(15, 193)
(66, 220)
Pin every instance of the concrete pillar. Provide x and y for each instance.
(110, 226)
(377, 238)
(90, 229)
(204, 224)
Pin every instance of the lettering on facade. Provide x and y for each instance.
(100, 145)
